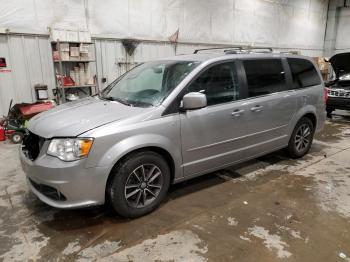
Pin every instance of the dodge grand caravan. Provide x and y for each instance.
(170, 120)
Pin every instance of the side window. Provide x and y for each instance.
(219, 83)
(303, 72)
(264, 76)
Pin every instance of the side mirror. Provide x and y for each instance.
(194, 100)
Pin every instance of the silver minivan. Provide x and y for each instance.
(170, 120)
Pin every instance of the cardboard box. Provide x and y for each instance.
(74, 51)
(57, 34)
(72, 36)
(84, 48)
(64, 55)
(84, 56)
(64, 47)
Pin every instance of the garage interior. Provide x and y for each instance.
(272, 208)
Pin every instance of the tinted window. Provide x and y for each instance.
(219, 83)
(304, 73)
(264, 76)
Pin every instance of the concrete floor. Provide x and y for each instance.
(269, 209)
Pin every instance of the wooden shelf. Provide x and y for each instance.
(73, 42)
(80, 86)
(61, 66)
(74, 61)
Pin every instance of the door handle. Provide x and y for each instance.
(237, 112)
(256, 108)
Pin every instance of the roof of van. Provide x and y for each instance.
(201, 57)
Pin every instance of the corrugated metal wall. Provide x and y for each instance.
(29, 62)
(112, 60)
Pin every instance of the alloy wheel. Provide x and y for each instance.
(302, 137)
(143, 185)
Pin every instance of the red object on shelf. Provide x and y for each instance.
(2, 134)
(68, 81)
(33, 109)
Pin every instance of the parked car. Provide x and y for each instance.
(170, 120)
(339, 88)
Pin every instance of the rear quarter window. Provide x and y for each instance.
(304, 73)
(264, 76)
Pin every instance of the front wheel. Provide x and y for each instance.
(139, 184)
(301, 138)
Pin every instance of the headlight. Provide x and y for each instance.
(70, 149)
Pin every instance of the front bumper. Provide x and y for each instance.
(76, 185)
(338, 103)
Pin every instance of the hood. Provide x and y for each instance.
(75, 118)
(340, 62)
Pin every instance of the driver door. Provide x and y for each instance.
(210, 135)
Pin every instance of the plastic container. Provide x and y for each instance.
(2, 134)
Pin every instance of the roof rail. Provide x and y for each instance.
(268, 49)
(226, 48)
(238, 49)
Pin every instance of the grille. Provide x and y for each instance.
(339, 93)
(48, 191)
(32, 145)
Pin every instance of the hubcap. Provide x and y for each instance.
(302, 137)
(143, 185)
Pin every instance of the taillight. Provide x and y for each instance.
(325, 94)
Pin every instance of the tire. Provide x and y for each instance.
(329, 113)
(297, 149)
(135, 190)
(17, 137)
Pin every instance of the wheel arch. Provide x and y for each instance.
(312, 117)
(161, 151)
(307, 111)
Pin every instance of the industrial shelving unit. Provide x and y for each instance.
(62, 68)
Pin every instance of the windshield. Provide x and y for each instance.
(148, 84)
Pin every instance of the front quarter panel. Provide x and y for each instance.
(115, 140)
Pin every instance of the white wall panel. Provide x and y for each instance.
(296, 23)
(36, 15)
(343, 33)
(111, 17)
(337, 38)
(29, 59)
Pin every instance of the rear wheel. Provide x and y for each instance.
(139, 184)
(301, 138)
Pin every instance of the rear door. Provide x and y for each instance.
(270, 106)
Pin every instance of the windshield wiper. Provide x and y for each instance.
(141, 103)
(110, 98)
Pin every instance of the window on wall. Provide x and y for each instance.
(304, 73)
(219, 83)
(264, 76)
